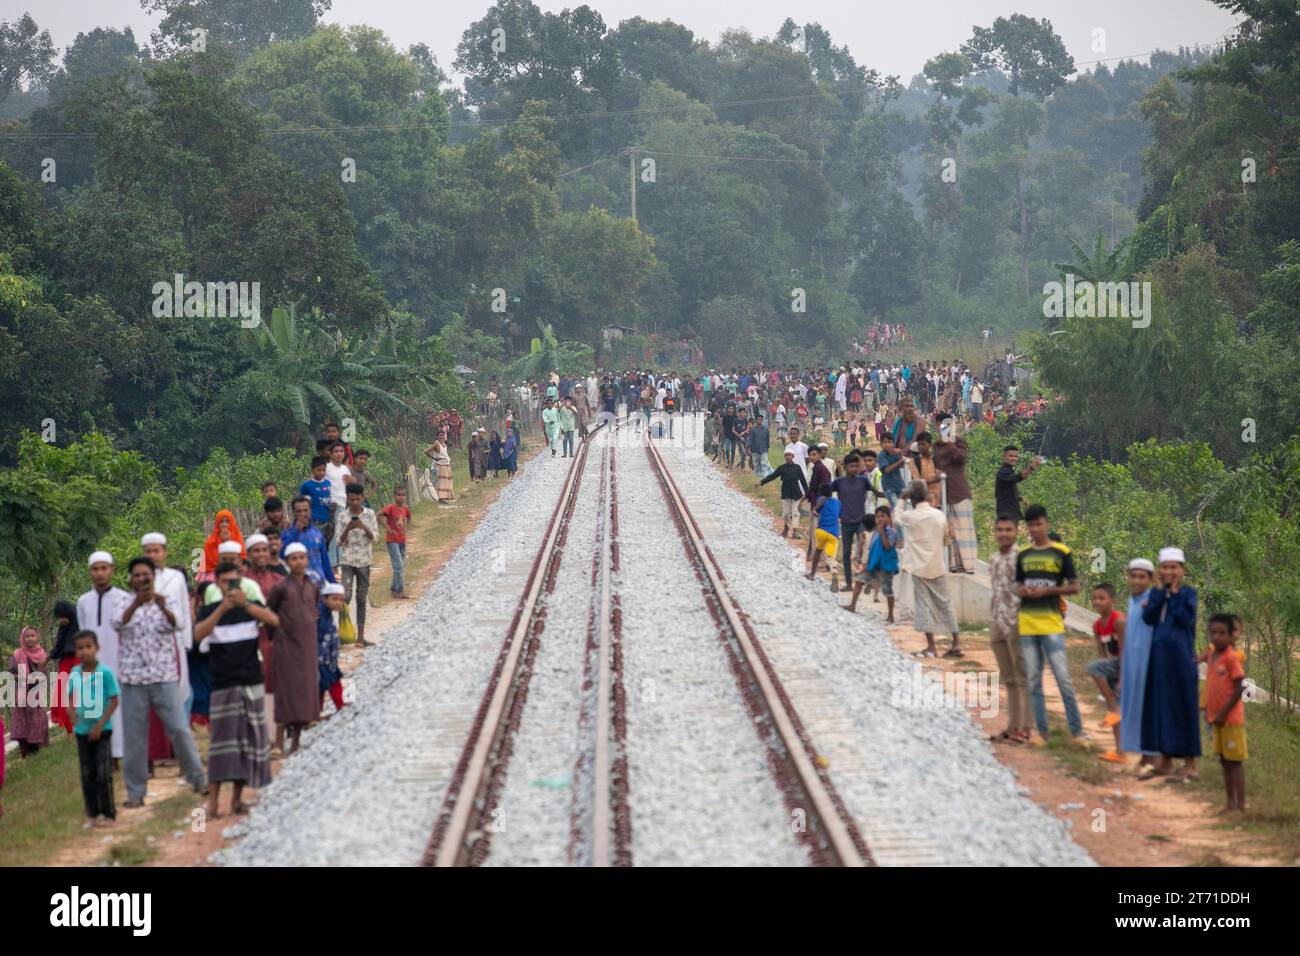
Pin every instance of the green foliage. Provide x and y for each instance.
(56, 504)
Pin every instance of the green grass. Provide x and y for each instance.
(42, 802)
(1272, 770)
(141, 843)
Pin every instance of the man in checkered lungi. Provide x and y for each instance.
(227, 628)
(950, 460)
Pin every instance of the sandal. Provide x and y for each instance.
(954, 652)
(921, 655)
(1002, 738)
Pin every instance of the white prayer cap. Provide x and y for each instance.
(99, 557)
(296, 547)
(255, 539)
(327, 589)
(1142, 564)
(154, 537)
(1172, 554)
(229, 547)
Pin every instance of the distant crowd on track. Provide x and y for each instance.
(248, 635)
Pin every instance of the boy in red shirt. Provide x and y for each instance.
(395, 517)
(1225, 682)
(1109, 631)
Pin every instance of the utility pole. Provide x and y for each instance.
(631, 160)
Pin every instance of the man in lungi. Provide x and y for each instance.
(227, 630)
(950, 459)
(925, 537)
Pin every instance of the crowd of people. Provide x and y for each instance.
(880, 335)
(255, 638)
(250, 643)
(899, 500)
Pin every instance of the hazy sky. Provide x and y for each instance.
(893, 36)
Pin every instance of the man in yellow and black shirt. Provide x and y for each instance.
(1044, 575)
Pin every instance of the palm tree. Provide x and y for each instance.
(302, 367)
(1101, 266)
(549, 354)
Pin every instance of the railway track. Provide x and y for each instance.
(818, 815)
(462, 832)
(601, 820)
(600, 832)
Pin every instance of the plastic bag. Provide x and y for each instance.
(347, 630)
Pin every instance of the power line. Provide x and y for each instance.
(570, 172)
(592, 115)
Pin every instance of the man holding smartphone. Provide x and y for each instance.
(357, 529)
(1007, 494)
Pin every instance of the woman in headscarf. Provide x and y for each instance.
(224, 528)
(510, 452)
(441, 467)
(478, 452)
(494, 455)
(64, 654)
(31, 726)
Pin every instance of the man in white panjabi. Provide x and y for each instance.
(95, 612)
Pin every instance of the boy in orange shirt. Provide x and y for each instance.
(1225, 682)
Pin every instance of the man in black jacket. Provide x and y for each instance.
(793, 487)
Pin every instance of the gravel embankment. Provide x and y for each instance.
(904, 765)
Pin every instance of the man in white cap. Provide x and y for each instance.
(1170, 722)
(1134, 659)
(296, 600)
(95, 612)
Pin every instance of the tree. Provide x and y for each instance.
(547, 354)
(1279, 309)
(1027, 50)
(307, 372)
(26, 55)
(56, 504)
(239, 25)
(565, 60)
(1101, 265)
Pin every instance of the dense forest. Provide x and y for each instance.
(404, 225)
